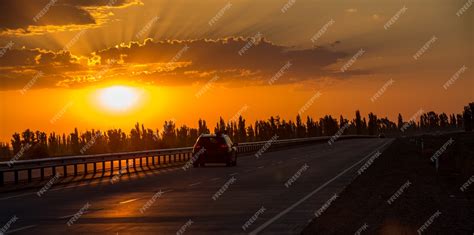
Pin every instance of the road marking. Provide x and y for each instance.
(270, 221)
(214, 179)
(236, 173)
(21, 228)
(195, 184)
(69, 216)
(19, 195)
(128, 201)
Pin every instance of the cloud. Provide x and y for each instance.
(174, 63)
(24, 17)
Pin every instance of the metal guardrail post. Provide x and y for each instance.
(29, 176)
(65, 170)
(16, 176)
(141, 161)
(42, 173)
(54, 170)
(95, 167)
(2, 178)
(85, 168)
(75, 169)
(111, 167)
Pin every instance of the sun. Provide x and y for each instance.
(118, 98)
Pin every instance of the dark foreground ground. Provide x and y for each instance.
(362, 207)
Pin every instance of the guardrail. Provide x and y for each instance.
(99, 162)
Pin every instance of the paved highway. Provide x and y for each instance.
(277, 193)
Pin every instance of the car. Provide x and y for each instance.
(214, 148)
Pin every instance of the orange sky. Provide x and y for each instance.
(173, 73)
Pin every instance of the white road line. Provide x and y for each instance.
(18, 195)
(236, 173)
(270, 221)
(128, 201)
(195, 184)
(19, 229)
(214, 179)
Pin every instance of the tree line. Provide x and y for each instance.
(37, 144)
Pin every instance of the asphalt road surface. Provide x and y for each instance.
(277, 193)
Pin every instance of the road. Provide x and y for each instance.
(211, 200)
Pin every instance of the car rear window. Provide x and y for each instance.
(211, 141)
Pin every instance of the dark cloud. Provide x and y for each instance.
(174, 63)
(20, 15)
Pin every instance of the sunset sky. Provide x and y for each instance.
(111, 63)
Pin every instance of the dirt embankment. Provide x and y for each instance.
(401, 192)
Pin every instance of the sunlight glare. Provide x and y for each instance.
(118, 98)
